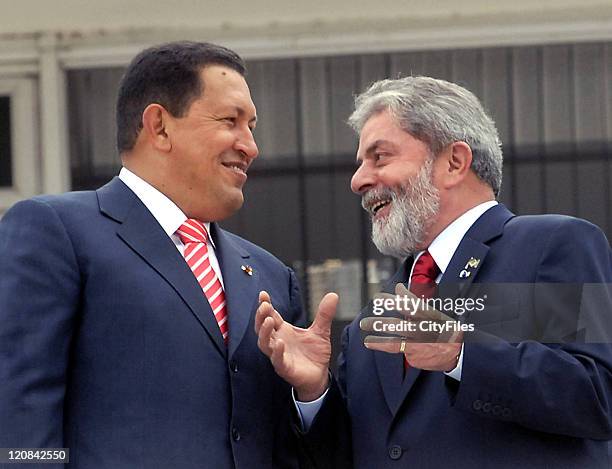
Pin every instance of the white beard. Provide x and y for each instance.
(414, 206)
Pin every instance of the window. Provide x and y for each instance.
(19, 160)
(6, 154)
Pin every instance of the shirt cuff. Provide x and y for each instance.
(455, 373)
(308, 410)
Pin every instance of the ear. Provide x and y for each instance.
(457, 161)
(155, 119)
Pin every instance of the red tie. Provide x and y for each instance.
(423, 281)
(424, 274)
(193, 235)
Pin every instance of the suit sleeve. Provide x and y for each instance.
(559, 388)
(327, 444)
(287, 451)
(39, 294)
(298, 314)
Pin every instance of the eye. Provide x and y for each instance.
(231, 120)
(380, 156)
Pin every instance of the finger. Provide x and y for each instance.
(267, 310)
(383, 344)
(416, 305)
(325, 314)
(383, 296)
(261, 314)
(401, 289)
(422, 308)
(264, 310)
(278, 357)
(264, 341)
(427, 309)
(391, 326)
(410, 303)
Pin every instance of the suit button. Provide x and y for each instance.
(395, 452)
(235, 434)
(506, 413)
(486, 407)
(477, 404)
(497, 409)
(234, 366)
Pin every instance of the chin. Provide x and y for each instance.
(229, 207)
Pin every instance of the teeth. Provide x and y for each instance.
(236, 168)
(378, 205)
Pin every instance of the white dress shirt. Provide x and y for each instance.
(442, 249)
(167, 214)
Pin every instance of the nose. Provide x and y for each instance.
(245, 144)
(363, 179)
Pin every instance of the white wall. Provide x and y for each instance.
(279, 27)
(24, 16)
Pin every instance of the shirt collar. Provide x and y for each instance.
(443, 247)
(166, 212)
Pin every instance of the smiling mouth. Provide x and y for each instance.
(376, 206)
(237, 166)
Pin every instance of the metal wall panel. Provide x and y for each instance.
(552, 106)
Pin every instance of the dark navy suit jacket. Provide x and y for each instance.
(527, 405)
(109, 347)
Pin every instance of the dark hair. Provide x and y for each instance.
(167, 74)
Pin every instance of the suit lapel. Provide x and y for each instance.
(463, 268)
(241, 288)
(459, 275)
(143, 234)
(470, 255)
(390, 366)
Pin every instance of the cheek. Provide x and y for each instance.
(440, 176)
(396, 176)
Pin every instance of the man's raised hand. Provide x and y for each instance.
(299, 356)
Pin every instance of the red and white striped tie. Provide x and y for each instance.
(193, 235)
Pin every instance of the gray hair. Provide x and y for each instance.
(438, 113)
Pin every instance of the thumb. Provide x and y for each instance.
(325, 314)
(264, 296)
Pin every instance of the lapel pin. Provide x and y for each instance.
(473, 263)
(247, 269)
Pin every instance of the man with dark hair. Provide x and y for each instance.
(531, 386)
(126, 313)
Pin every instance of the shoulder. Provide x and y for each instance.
(567, 247)
(45, 225)
(68, 203)
(555, 228)
(547, 221)
(43, 207)
(256, 252)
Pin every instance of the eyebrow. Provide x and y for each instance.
(373, 146)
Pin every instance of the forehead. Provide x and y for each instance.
(381, 123)
(224, 86)
(380, 129)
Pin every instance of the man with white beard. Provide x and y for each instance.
(429, 174)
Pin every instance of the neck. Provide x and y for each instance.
(453, 209)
